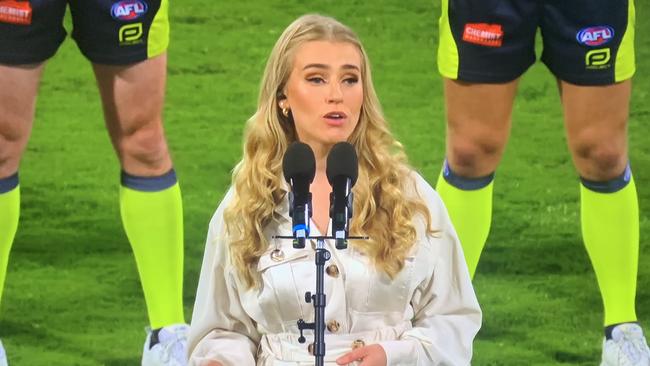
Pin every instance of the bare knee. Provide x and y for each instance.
(143, 150)
(9, 159)
(600, 161)
(474, 158)
(13, 140)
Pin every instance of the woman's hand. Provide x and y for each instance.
(372, 355)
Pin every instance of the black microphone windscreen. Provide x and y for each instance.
(299, 162)
(342, 161)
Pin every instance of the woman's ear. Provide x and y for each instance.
(282, 100)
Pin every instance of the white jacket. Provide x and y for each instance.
(428, 315)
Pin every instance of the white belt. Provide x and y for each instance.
(284, 349)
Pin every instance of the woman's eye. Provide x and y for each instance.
(316, 80)
(351, 80)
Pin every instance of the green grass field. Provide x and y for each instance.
(73, 297)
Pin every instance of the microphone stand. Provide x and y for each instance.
(318, 299)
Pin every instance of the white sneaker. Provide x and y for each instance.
(171, 348)
(3, 355)
(627, 347)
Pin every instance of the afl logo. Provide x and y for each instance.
(128, 9)
(595, 36)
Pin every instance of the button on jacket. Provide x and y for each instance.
(427, 315)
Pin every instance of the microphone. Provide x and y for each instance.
(299, 168)
(342, 173)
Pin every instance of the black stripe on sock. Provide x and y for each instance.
(464, 183)
(9, 183)
(149, 184)
(610, 186)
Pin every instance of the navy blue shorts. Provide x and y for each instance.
(106, 31)
(586, 42)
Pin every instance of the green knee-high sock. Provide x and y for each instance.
(9, 213)
(153, 221)
(471, 213)
(610, 230)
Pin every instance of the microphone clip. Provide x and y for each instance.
(341, 218)
(301, 213)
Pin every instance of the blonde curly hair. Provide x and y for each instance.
(382, 209)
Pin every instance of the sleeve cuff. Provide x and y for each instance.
(400, 352)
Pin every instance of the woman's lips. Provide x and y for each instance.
(335, 118)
